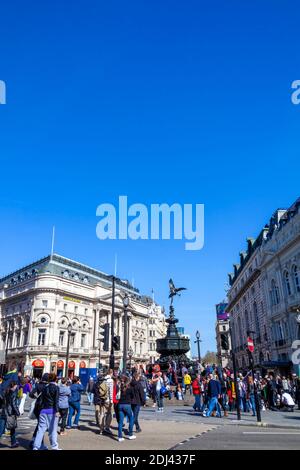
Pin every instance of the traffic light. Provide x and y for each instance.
(224, 342)
(116, 343)
(104, 336)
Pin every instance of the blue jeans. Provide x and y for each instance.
(159, 399)
(252, 401)
(125, 410)
(46, 423)
(213, 403)
(12, 431)
(198, 405)
(90, 397)
(136, 409)
(74, 408)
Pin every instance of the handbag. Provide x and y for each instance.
(11, 422)
(31, 414)
(163, 390)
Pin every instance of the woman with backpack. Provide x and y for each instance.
(10, 412)
(74, 402)
(124, 407)
(63, 404)
(49, 414)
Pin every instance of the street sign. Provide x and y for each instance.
(250, 344)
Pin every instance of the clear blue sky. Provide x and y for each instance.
(164, 101)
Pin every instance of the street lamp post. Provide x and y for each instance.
(112, 349)
(125, 343)
(251, 361)
(198, 341)
(130, 354)
(68, 350)
(237, 392)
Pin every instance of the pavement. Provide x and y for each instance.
(180, 426)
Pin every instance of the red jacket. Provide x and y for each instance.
(196, 387)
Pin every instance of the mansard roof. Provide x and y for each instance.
(67, 268)
(279, 218)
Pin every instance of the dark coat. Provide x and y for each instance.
(138, 397)
(50, 397)
(10, 404)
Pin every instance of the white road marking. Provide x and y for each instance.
(274, 433)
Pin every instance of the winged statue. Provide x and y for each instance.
(174, 290)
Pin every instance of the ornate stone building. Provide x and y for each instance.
(40, 301)
(264, 294)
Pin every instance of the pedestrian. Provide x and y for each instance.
(124, 406)
(26, 389)
(101, 402)
(10, 412)
(63, 404)
(138, 399)
(187, 381)
(74, 403)
(116, 396)
(214, 394)
(158, 384)
(197, 392)
(109, 401)
(36, 394)
(49, 414)
(251, 395)
(89, 391)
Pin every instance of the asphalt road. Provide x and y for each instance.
(243, 438)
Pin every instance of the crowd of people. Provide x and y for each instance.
(56, 402)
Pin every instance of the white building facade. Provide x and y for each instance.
(264, 294)
(40, 301)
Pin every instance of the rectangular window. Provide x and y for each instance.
(25, 338)
(45, 303)
(18, 340)
(61, 338)
(141, 348)
(72, 340)
(42, 337)
(65, 307)
(82, 343)
(75, 309)
(86, 311)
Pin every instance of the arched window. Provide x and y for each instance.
(274, 293)
(296, 278)
(287, 282)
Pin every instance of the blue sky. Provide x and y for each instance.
(166, 101)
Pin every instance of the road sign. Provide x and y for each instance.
(250, 344)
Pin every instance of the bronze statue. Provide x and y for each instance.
(174, 290)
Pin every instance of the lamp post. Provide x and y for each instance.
(69, 329)
(237, 392)
(125, 343)
(198, 341)
(99, 356)
(112, 350)
(130, 354)
(251, 361)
